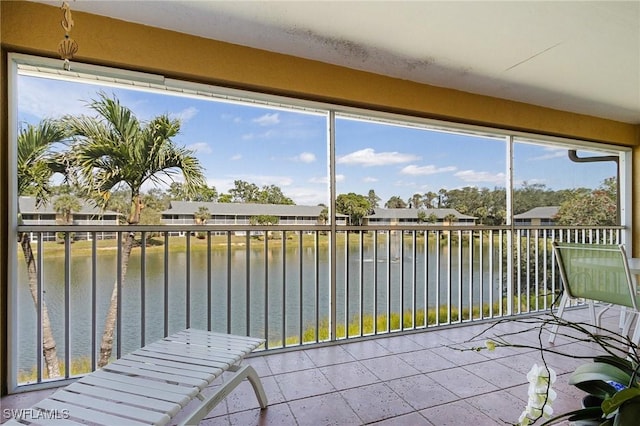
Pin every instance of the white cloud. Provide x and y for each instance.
(186, 114)
(404, 184)
(308, 196)
(368, 157)
(370, 179)
(267, 119)
(305, 157)
(265, 135)
(476, 177)
(325, 179)
(200, 147)
(551, 153)
(262, 180)
(414, 170)
(45, 99)
(236, 157)
(231, 117)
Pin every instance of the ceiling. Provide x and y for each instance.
(570, 55)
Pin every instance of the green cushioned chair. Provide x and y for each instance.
(597, 273)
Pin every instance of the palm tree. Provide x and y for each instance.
(202, 215)
(65, 205)
(323, 217)
(450, 219)
(113, 150)
(36, 165)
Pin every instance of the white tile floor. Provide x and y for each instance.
(413, 379)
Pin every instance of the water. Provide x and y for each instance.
(280, 290)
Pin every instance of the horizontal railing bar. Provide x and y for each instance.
(309, 228)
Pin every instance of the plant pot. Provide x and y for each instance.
(589, 401)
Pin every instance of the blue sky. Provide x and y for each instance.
(289, 148)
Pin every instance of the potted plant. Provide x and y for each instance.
(610, 380)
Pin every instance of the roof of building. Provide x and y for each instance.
(548, 212)
(27, 205)
(243, 209)
(381, 213)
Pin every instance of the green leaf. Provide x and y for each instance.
(593, 378)
(597, 388)
(628, 414)
(610, 405)
(590, 413)
(623, 364)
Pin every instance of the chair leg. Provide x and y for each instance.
(563, 303)
(595, 321)
(598, 318)
(241, 373)
(636, 334)
(623, 315)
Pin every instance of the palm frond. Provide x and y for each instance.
(36, 162)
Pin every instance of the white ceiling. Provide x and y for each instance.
(580, 56)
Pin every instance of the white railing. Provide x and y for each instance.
(292, 285)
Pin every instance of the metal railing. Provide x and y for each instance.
(273, 282)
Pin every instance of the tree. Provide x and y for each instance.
(374, 200)
(323, 217)
(429, 198)
(153, 203)
(244, 192)
(264, 219)
(156, 199)
(206, 194)
(272, 194)
(36, 166)
(202, 215)
(595, 208)
(114, 149)
(225, 198)
(176, 192)
(415, 201)
(353, 205)
(422, 216)
(65, 205)
(465, 200)
(119, 201)
(395, 202)
(450, 218)
(533, 195)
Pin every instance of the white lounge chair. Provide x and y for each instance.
(153, 384)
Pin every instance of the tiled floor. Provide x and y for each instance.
(413, 379)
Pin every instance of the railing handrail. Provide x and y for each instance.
(295, 227)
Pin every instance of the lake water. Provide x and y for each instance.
(289, 296)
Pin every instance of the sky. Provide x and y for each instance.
(289, 148)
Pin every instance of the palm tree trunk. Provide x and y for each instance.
(106, 345)
(48, 342)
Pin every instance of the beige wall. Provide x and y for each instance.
(35, 29)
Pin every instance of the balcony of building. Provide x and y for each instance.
(371, 342)
(387, 346)
(416, 378)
